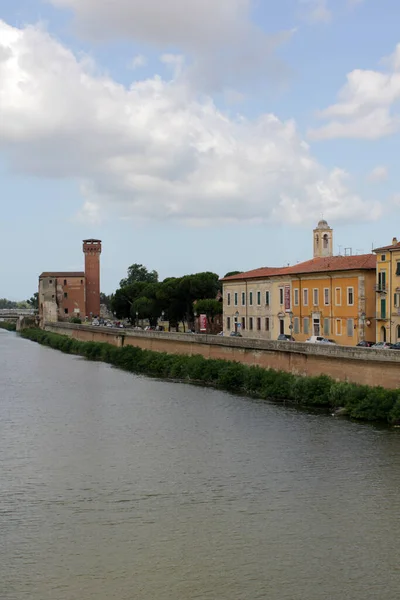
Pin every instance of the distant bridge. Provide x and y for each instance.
(13, 314)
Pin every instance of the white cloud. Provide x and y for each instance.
(379, 173)
(224, 45)
(138, 62)
(366, 105)
(316, 11)
(155, 150)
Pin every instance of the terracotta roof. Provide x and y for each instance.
(334, 263)
(391, 247)
(315, 265)
(62, 274)
(254, 274)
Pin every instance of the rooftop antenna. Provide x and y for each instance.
(348, 251)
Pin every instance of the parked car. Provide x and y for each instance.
(285, 337)
(319, 339)
(382, 346)
(395, 346)
(365, 344)
(235, 334)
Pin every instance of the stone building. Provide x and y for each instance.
(64, 294)
(387, 286)
(332, 296)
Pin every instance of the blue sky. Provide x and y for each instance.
(194, 135)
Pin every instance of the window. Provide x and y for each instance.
(338, 327)
(228, 323)
(258, 324)
(350, 296)
(296, 325)
(338, 296)
(267, 324)
(325, 240)
(281, 326)
(65, 282)
(267, 298)
(315, 297)
(251, 298)
(52, 296)
(383, 308)
(306, 325)
(305, 297)
(398, 268)
(50, 281)
(326, 296)
(326, 326)
(350, 327)
(296, 296)
(382, 280)
(251, 323)
(243, 323)
(236, 299)
(81, 281)
(383, 257)
(66, 311)
(281, 296)
(397, 300)
(65, 295)
(228, 298)
(259, 298)
(398, 331)
(243, 298)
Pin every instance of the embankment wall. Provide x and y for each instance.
(357, 365)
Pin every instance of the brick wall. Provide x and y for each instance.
(357, 365)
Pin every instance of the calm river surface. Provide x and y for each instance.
(119, 487)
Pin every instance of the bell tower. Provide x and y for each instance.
(92, 251)
(323, 240)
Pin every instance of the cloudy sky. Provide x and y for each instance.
(194, 134)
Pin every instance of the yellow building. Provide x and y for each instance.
(387, 287)
(332, 296)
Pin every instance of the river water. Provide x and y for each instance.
(114, 486)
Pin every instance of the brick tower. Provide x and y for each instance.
(92, 251)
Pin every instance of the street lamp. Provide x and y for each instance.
(236, 320)
(195, 320)
(137, 318)
(362, 317)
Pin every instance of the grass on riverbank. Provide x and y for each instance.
(359, 402)
(8, 326)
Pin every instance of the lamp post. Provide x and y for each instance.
(291, 321)
(236, 320)
(137, 319)
(195, 320)
(362, 317)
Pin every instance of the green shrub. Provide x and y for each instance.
(76, 320)
(8, 326)
(360, 402)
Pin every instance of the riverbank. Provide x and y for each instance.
(8, 326)
(355, 401)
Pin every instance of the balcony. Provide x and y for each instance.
(381, 316)
(381, 288)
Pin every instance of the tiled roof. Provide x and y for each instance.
(254, 274)
(315, 265)
(391, 247)
(334, 263)
(62, 274)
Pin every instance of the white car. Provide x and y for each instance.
(319, 339)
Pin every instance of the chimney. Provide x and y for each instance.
(394, 241)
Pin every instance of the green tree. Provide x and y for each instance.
(106, 300)
(33, 302)
(4, 303)
(139, 274)
(233, 273)
(209, 307)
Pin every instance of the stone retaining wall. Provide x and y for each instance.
(357, 365)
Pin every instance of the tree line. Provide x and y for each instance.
(142, 296)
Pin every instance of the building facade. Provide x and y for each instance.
(63, 295)
(387, 287)
(332, 296)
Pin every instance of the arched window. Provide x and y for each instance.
(325, 241)
(398, 331)
(383, 334)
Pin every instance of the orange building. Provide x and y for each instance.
(63, 295)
